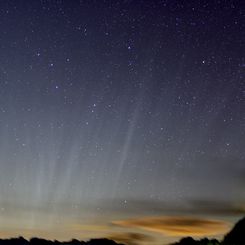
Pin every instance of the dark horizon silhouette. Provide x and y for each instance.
(235, 237)
(40, 241)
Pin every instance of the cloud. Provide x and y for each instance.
(130, 238)
(176, 225)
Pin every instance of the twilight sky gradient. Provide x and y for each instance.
(123, 119)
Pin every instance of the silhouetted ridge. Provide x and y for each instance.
(103, 241)
(186, 241)
(237, 235)
(191, 241)
(39, 241)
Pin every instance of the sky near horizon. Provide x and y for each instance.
(121, 119)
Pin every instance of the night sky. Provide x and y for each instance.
(121, 119)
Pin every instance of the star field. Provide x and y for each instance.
(110, 109)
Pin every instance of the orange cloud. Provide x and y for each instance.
(176, 225)
(130, 238)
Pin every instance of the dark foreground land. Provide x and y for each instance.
(39, 241)
(235, 237)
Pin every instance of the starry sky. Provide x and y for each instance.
(121, 119)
